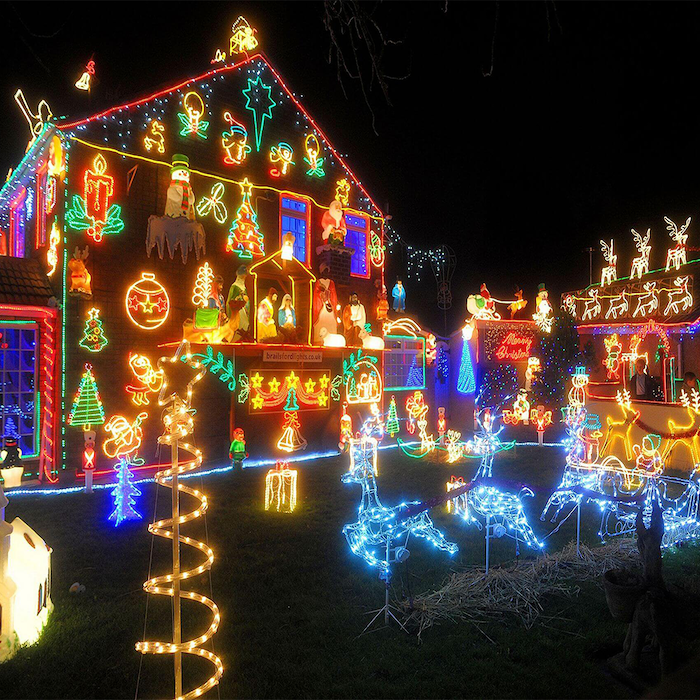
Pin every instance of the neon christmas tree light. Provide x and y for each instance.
(244, 237)
(93, 338)
(87, 407)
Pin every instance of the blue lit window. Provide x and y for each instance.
(358, 238)
(294, 218)
(18, 395)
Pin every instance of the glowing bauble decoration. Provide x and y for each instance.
(147, 302)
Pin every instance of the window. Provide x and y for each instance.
(358, 238)
(404, 363)
(294, 218)
(19, 399)
(18, 221)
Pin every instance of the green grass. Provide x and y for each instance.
(293, 598)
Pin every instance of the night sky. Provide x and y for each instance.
(587, 127)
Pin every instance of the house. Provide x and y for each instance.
(119, 225)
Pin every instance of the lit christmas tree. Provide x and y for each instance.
(123, 495)
(87, 407)
(11, 429)
(559, 355)
(392, 419)
(415, 375)
(292, 404)
(244, 236)
(202, 286)
(466, 382)
(94, 338)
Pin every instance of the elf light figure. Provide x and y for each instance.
(235, 141)
(180, 199)
(237, 452)
(345, 429)
(283, 154)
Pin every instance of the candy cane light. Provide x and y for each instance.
(178, 424)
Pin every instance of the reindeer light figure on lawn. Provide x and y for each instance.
(609, 273)
(640, 264)
(679, 299)
(676, 256)
(687, 435)
(621, 429)
(380, 535)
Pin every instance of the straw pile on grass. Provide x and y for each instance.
(517, 590)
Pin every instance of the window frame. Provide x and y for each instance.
(17, 213)
(367, 232)
(390, 352)
(283, 211)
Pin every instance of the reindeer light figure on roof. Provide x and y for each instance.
(676, 256)
(592, 307)
(609, 272)
(648, 302)
(640, 264)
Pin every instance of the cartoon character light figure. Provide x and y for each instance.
(345, 429)
(235, 141)
(126, 436)
(242, 37)
(648, 461)
(417, 411)
(613, 348)
(577, 393)
(283, 154)
(146, 379)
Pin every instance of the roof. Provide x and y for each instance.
(274, 266)
(22, 281)
(66, 125)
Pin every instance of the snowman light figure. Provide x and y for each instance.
(180, 196)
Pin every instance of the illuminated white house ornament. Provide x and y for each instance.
(609, 273)
(676, 256)
(25, 575)
(640, 264)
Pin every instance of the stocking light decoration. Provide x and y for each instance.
(178, 424)
(93, 212)
(147, 302)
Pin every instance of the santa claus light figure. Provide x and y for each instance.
(180, 197)
(333, 223)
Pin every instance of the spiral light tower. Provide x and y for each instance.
(178, 422)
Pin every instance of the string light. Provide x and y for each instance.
(178, 424)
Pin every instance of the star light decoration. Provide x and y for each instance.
(259, 101)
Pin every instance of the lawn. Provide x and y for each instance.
(293, 598)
